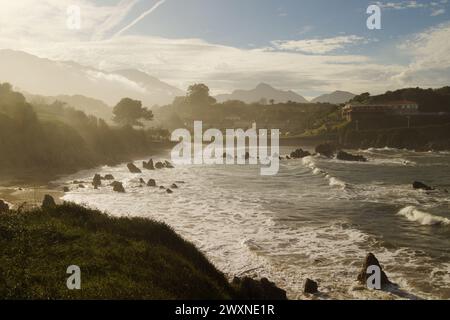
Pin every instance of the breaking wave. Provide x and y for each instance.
(424, 218)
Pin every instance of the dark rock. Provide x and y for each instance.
(81, 186)
(326, 150)
(109, 177)
(342, 155)
(169, 191)
(97, 181)
(151, 183)
(141, 180)
(421, 186)
(162, 187)
(4, 207)
(66, 189)
(133, 168)
(174, 186)
(48, 202)
(288, 158)
(118, 187)
(371, 260)
(310, 286)
(299, 153)
(159, 165)
(149, 165)
(249, 289)
(168, 165)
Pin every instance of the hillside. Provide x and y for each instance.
(54, 78)
(336, 97)
(262, 91)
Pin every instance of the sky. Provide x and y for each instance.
(308, 46)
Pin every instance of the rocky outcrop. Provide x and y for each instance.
(250, 289)
(169, 191)
(326, 150)
(133, 168)
(159, 165)
(148, 165)
(48, 202)
(299, 153)
(141, 180)
(371, 260)
(168, 165)
(174, 186)
(421, 186)
(97, 181)
(344, 156)
(108, 177)
(310, 286)
(118, 187)
(4, 207)
(151, 183)
(66, 189)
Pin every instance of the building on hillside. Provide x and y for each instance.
(369, 111)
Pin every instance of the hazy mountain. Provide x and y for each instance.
(90, 106)
(336, 97)
(262, 91)
(52, 78)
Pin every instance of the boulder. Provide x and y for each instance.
(81, 186)
(250, 289)
(168, 165)
(162, 187)
(151, 183)
(288, 158)
(109, 177)
(141, 180)
(421, 186)
(299, 153)
(174, 186)
(159, 165)
(133, 168)
(310, 286)
(169, 191)
(371, 260)
(118, 187)
(344, 156)
(148, 165)
(66, 189)
(97, 181)
(326, 150)
(48, 202)
(4, 207)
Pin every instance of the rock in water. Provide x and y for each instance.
(109, 177)
(371, 260)
(97, 181)
(299, 153)
(149, 165)
(169, 191)
(151, 183)
(66, 189)
(168, 165)
(344, 156)
(311, 286)
(159, 165)
(48, 202)
(141, 180)
(421, 186)
(249, 289)
(174, 186)
(4, 207)
(133, 168)
(118, 187)
(326, 150)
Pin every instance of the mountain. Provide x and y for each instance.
(336, 97)
(52, 78)
(262, 91)
(90, 106)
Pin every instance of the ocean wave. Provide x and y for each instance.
(332, 181)
(422, 217)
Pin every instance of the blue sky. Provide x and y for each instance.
(309, 46)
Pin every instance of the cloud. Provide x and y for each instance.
(436, 7)
(318, 46)
(142, 16)
(437, 12)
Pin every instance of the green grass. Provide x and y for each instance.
(120, 258)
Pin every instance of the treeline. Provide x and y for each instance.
(292, 117)
(429, 100)
(55, 138)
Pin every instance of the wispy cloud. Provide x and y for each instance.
(142, 16)
(436, 7)
(319, 46)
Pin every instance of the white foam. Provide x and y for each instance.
(422, 217)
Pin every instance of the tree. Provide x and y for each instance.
(129, 112)
(198, 95)
(272, 101)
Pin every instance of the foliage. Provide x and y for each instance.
(129, 112)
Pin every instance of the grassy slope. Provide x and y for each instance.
(118, 257)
